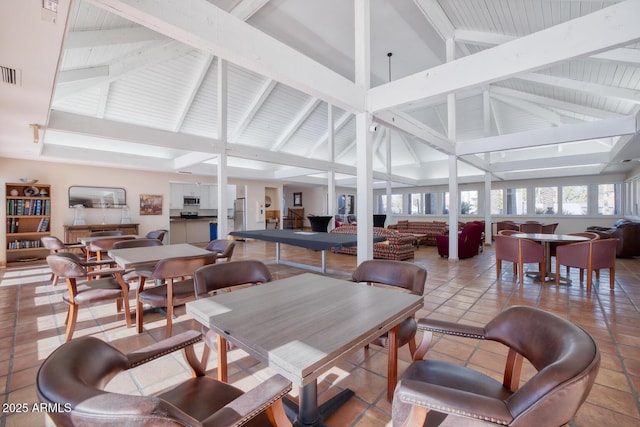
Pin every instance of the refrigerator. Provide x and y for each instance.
(240, 214)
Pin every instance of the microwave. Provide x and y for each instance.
(191, 201)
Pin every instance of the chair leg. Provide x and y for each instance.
(72, 318)
(417, 416)
(412, 346)
(169, 307)
(498, 267)
(139, 314)
(589, 279)
(612, 277)
(558, 272)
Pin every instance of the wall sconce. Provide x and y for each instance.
(36, 133)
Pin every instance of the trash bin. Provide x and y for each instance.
(213, 230)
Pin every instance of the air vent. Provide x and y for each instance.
(10, 75)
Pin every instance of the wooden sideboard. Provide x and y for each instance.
(73, 232)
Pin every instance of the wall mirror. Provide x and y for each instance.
(97, 197)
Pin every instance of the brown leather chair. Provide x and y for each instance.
(592, 256)
(212, 278)
(56, 245)
(175, 291)
(507, 225)
(134, 274)
(507, 250)
(628, 234)
(565, 357)
(156, 234)
(530, 252)
(402, 274)
(549, 228)
(108, 285)
(530, 227)
(74, 377)
(222, 247)
(97, 249)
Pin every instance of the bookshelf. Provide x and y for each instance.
(28, 219)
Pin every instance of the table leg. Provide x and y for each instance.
(222, 359)
(323, 267)
(307, 413)
(277, 252)
(392, 364)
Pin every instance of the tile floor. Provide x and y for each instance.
(467, 291)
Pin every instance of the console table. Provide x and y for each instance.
(73, 232)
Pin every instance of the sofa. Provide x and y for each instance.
(628, 234)
(398, 246)
(432, 229)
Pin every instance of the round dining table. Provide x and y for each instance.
(546, 240)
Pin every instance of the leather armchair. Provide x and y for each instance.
(223, 248)
(401, 274)
(565, 357)
(75, 375)
(213, 278)
(108, 284)
(156, 234)
(56, 245)
(627, 233)
(592, 256)
(469, 240)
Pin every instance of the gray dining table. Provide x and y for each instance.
(303, 325)
(147, 256)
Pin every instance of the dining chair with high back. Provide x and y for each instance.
(107, 284)
(156, 234)
(530, 252)
(506, 249)
(405, 275)
(97, 249)
(549, 228)
(176, 290)
(213, 278)
(74, 378)
(223, 248)
(591, 256)
(565, 358)
(507, 232)
(530, 227)
(56, 245)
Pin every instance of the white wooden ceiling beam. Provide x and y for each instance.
(130, 63)
(550, 162)
(530, 108)
(103, 158)
(192, 92)
(554, 103)
(547, 136)
(87, 73)
(256, 103)
(108, 37)
(615, 26)
(295, 124)
(191, 158)
(439, 20)
(84, 125)
(406, 123)
(409, 148)
(610, 92)
(204, 26)
(247, 8)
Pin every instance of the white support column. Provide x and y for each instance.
(331, 174)
(222, 157)
(488, 227)
(364, 174)
(453, 164)
(389, 168)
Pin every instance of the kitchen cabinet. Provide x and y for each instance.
(176, 198)
(208, 196)
(189, 231)
(190, 190)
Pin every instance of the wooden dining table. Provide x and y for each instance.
(148, 256)
(546, 240)
(303, 325)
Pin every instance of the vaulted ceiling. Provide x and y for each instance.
(542, 88)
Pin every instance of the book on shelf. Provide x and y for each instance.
(43, 225)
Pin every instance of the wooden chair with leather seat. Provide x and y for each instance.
(156, 234)
(74, 377)
(401, 274)
(98, 249)
(222, 247)
(565, 357)
(531, 227)
(175, 291)
(56, 245)
(213, 278)
(506, 250)
(591, 256)
(107, 284)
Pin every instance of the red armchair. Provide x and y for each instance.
(468, 241)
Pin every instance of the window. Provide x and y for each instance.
(516, 201)
(497, 202)
(396, 204)
(445, 204)
(431, 203)
(607, 199)
(546, 200)
(575, 200)
(469, 202)
(416, 204)
(382, 204)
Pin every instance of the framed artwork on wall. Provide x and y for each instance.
(150, 204)
(297, 199)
